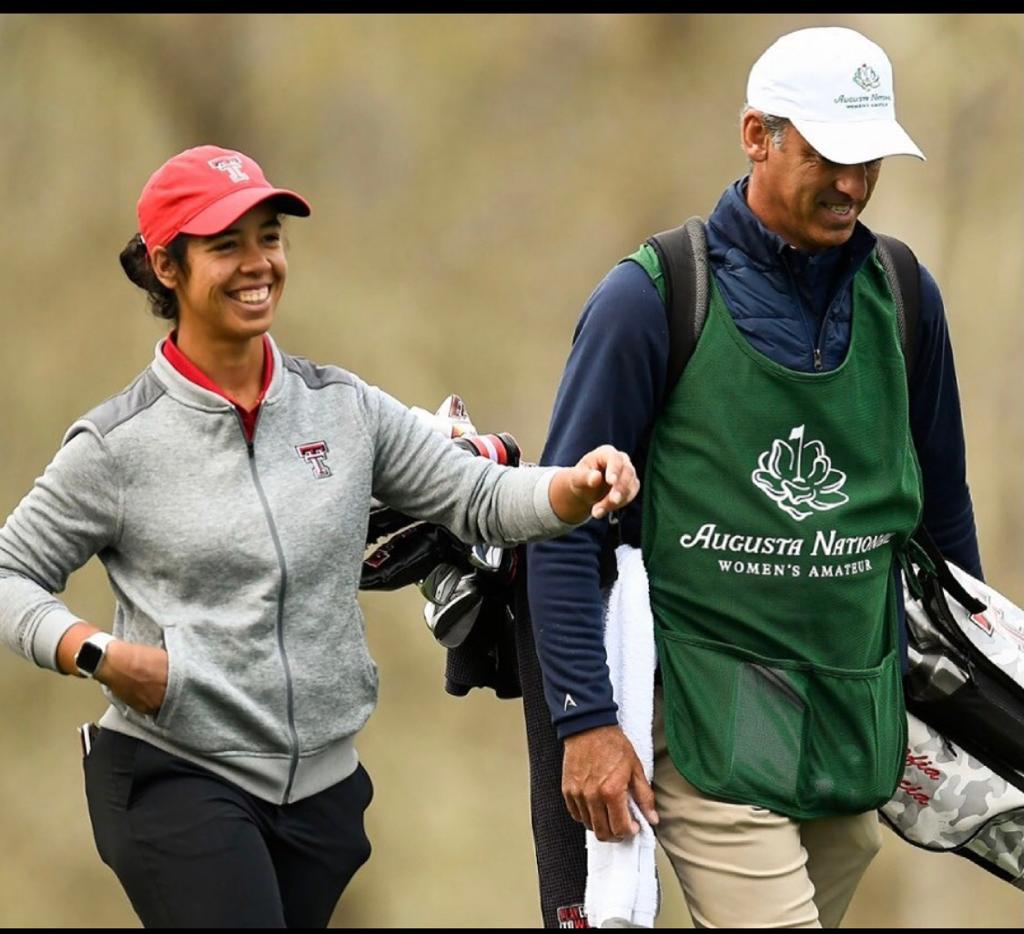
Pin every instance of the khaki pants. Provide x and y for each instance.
(742, 866)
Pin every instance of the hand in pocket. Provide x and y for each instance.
(137, 674)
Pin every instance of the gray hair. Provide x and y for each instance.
(774, 126)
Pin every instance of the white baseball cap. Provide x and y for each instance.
(835, 86)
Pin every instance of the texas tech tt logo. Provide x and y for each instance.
(315, 454)
(232, 165)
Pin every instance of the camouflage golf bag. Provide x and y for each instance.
(949, 801)
(964, 689)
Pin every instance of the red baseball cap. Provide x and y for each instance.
(201, 191)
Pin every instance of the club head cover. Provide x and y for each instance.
(385, 521)
(408, 557)
(500, 448)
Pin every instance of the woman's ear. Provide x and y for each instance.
(165, 269)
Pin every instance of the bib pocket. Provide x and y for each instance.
(857, 743)
(801, 740)
(770, 720)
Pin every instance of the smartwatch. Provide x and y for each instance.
(91, 652)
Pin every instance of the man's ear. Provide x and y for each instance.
(164, 267)
(754, 136)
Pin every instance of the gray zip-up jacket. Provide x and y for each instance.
(243, 560)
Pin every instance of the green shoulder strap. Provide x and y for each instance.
(683, 255)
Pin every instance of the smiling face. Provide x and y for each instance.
(234, 279)
(810, 202)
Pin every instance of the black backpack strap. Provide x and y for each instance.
(941, 572)
(904, 276)
(683, 254)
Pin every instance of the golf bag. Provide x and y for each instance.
(468, 588)
(964, 690)
(966, 659)
(495, 651)
(949, 801)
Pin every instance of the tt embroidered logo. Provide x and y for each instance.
(799, 477)
(232, 165)
(315, 454)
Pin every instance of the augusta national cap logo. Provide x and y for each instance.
(799, 476)
(866, 77)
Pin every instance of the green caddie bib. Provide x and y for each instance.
(775, 502)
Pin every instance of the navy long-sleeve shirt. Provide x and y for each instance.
(787, 304)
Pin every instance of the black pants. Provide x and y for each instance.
(194, 850)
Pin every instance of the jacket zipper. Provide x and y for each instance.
(817, 355)
(805, 316)
(293, 733)
(844, 283)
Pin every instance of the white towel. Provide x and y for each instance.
(622, 878)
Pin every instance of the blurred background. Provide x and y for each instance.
(472, 178)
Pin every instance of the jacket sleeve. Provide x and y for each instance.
(611, 389)
(70, 514)
(421, 473)
(937, 429)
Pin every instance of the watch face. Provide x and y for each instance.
(88, 658)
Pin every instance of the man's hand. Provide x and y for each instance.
(604, 480)
(137, 674)
(599, 769)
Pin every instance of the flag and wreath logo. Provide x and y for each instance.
(798, 475)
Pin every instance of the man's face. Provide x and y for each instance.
(807, 200)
